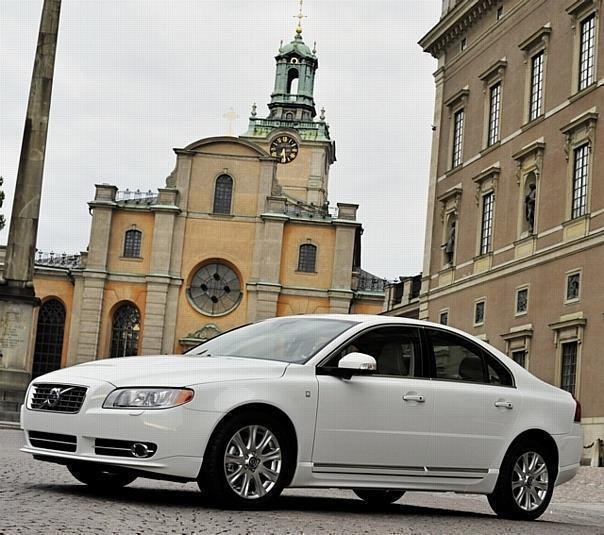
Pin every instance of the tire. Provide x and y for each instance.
(247, 462)
(525, 484)
(100, 478)
(379, 497)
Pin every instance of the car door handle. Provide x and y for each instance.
(506, 404)
(414, 397)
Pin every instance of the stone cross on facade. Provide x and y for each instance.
(231, 116)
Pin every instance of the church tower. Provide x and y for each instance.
(291, 133)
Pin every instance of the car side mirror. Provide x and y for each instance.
(359, 362)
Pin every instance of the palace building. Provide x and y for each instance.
(242, 230)
(515, 228)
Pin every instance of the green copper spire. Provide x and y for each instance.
(292, 101)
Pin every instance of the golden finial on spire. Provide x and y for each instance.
(300, 16)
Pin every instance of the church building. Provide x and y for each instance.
(242, 230)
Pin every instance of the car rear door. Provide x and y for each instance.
(476, 404)
(377, 425)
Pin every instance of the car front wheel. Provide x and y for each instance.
(526, 483)
(100, 478)
(246, 462)
(379, 497)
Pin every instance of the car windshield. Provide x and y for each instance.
(292, 339)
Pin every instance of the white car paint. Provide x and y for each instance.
(357, 432)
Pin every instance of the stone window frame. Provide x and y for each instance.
(527, 288)
(483, 301)
(567, 275)
(578, 132)
(456, 103)
(579, 11)
(316, 247)
(486, 182)
(223, 172)
(519, 339)
(138, 258)
(444, 312)
(529, 160)
(450, 202)
(491, 77)
(537, 43)
(570, 328)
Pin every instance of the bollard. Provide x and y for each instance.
(595, 453)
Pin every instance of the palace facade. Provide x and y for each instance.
(515, 229)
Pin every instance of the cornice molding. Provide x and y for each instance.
(452, 25)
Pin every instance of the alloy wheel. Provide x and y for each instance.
(530, 481)
(252, 461)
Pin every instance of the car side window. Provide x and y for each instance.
(455, 360)
(396, 350)
(458, 360)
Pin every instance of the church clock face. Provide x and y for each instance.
(285, 148)
(215, 289)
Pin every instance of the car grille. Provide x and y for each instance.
(57, 398)
(124, 448)
(53, 441)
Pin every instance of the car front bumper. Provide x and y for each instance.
(179, 433)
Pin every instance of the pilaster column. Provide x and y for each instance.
(439, 78)
(341, 293)
(158, 281)
(88, 322)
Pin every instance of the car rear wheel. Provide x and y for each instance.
(246, 463)
(378, 496)
(526, 483)
(100, 478)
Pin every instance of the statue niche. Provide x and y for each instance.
(451, 235)
(530, 203)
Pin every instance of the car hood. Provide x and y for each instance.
(173, 371)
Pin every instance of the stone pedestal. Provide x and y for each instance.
(16, 346)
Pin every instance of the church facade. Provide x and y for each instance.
(241, 231)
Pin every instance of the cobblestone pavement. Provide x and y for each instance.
(43, 498)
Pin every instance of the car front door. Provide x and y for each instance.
(476, 404)
(376, 424)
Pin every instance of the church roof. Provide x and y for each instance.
(298, 48)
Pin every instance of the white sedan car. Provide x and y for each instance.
(375, 404)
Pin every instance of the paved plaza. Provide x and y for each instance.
(38, 497)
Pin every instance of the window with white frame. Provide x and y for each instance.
(494, 114)
(521, 301)
(536, 89)
(568, 379)
(580, 176)
(486, 227)
(587, 51)
(443, 318)
(458, 126)
(479, 312)
(519, 357)
(573, 287)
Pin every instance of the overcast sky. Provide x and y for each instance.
(135, 78)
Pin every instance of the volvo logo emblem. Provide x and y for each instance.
(54, 397)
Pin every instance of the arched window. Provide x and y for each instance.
(49, 338)
(307, 258)
(125, 330)
(289, 116)
(132, 243)
(223, 194)
(292, 81)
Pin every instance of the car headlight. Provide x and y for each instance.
(147, 398)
